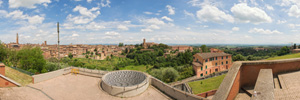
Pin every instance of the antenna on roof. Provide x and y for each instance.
(58, 39)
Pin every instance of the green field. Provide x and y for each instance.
(17, 76)
(207, 84)
(142, 68)
(289, 56)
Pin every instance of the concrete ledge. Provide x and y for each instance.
(9, 80)
(264, 87)
(225, 87)
(245, 73)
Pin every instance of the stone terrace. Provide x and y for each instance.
(71, 87)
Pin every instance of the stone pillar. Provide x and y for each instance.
(2, 69)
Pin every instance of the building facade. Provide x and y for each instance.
(208, 63)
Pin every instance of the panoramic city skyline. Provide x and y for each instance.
(177, 22)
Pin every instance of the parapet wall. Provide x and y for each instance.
(173, 92)
(53, 74)
(244, 74)
(46, 76)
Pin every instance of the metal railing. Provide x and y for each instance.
(22, 71)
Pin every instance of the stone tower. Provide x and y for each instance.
(17, 39)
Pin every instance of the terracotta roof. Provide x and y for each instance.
(197, 64)
(210, 55)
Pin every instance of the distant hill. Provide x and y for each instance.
(289, 56)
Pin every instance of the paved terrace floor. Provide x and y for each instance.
(71, 87)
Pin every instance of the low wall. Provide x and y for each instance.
(46, 76)
(206, 94)
(173, 92)
(244, 74)
(53, 74)
(6, 82)
(264, 87)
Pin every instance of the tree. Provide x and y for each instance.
(86, 56)
(169, 74)
(70, 55)
(284, 50)
(238, 57)
(121, 44)
(204, 48)
(3, 52)
(31, 59)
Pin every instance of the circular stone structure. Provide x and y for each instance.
(125, 83)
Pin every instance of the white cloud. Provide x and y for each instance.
(105, 3)
(146, 30)
(122, 27)
(1, 3)
(94, 26)
(86, 15)
(89, 1)
(262, 31)
(281, 21)
(154, 21)
(293, 25)
(186, 13)
(148, 13)
(112, 33)
(212, 13)
(35, 19)
(294, 11)
(243, 13)
(269, 7)
(26, 3)
(171, 10)
(18, 15)
(167, 18)
(188, 28)
(153, 27)
(75, 35)
(235, 29)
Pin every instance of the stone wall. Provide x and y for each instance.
(173, 92)
(206, 94)
(243, 74)
(46, 76)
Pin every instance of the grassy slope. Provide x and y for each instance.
(289, 56)
(138, 68)
(207, 84)
(17, 76)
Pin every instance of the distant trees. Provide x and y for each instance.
(70, 55)
(204, 48)
(238, 57)
(284, 50)
(121, 44)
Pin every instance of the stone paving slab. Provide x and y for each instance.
(71, 87)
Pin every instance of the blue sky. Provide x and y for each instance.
(161, 21)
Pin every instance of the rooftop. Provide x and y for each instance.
(209, 55)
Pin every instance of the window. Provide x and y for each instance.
(206, 60)
(201, 75)
(206, 72)
(222, 63)
(216, 70)
(213, 58)
(210, 59)
(206, 67)
(226, 62)
(197, 60)
(216, 58)
(216, 64)
(222, 57)
(226, 57)
(201, 68)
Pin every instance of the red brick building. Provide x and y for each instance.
(182, 48)
(208, 63)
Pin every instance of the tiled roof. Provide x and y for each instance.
(197, 64)
(210, 55)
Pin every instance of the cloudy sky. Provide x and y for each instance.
(162, 21)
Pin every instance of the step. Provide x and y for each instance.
(276, 83)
